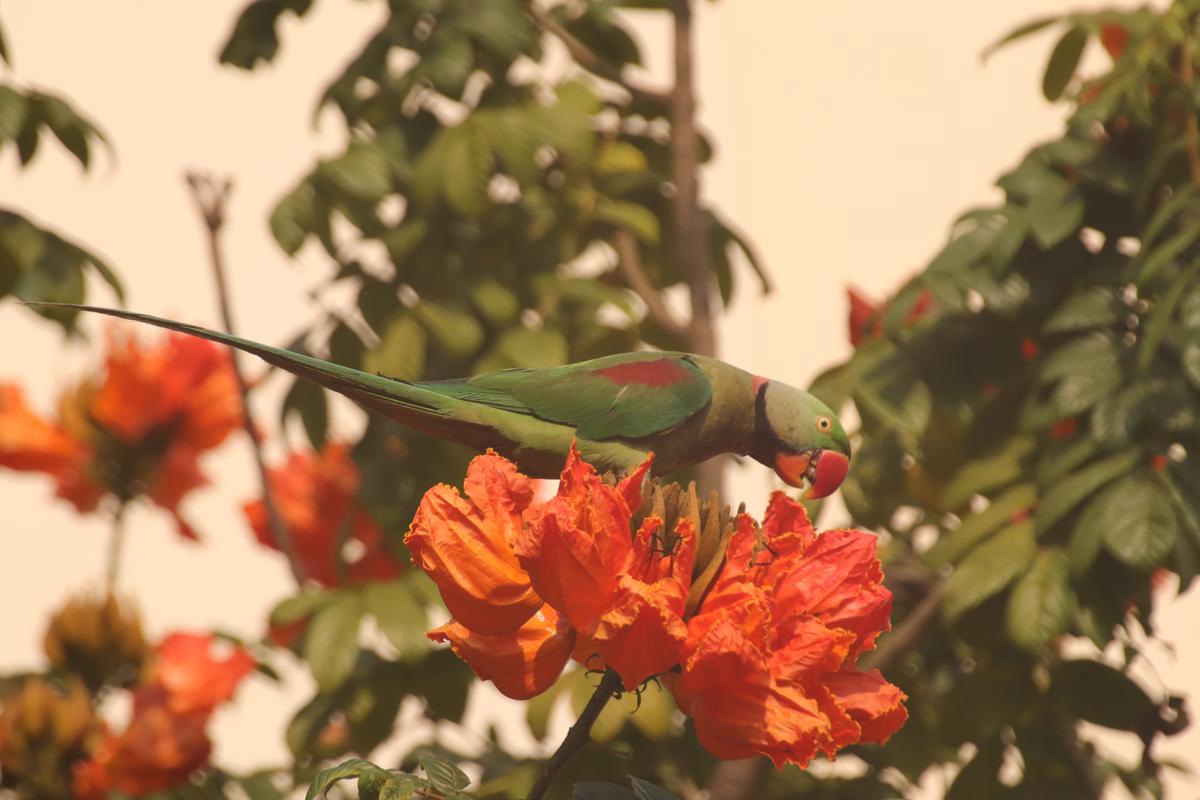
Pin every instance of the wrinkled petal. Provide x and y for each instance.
(159, 750)
(872, 702)
(315, 496)
(193, 678)
(522, 663)
(29, 442)
(808, 650)
(630, 487)
(178, 473)
(830, 580)
(465, 546)
(575, 545)
(785, 515)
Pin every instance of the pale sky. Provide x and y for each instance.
(849, 135)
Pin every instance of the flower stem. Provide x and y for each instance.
(577, 736)
(116, 542)
(210, 196)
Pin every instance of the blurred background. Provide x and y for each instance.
(845, 142)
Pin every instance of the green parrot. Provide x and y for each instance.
(617, 409)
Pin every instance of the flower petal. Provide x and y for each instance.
(871, 701)
(522, 663)
(575, 546)
(465, 546)
(195, 680)
(29, 442)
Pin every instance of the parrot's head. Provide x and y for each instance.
(800, 438)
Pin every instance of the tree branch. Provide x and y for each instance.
(210, 196)
(1187, 76)
(577, 736)
(629, 263)
(586, 58)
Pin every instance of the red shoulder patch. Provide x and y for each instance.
(662, 372)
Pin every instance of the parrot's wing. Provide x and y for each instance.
(629, 395)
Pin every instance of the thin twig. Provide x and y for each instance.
(210, 196)
(584, 57)
(907, 636)
(116, 543)
(629, 263)
(1187, 76)
(577, 736)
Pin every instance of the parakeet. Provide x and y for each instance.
(685, 408)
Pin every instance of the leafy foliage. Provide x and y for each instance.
(37, 263)
(1037, 416)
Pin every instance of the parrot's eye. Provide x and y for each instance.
(824, 423)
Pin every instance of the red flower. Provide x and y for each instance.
(192, 679)
(1063, 429)
(769, 665)
(159, 750)
(529, 583)
(1114, 37)
(866, 318)
(315, 495)
(137, 430)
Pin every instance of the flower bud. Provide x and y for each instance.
(44, 729)
(97, 639)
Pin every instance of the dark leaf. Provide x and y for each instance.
(1064, 60)
(444, 777)
(294, 217)
(358, 768)
(1020, 32)
(1098, 693)
(331, 644)
(989, 569)
(401, 616)
(308, 400)
(1068, 492)
(1042, 603)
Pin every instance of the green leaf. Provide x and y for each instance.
(5, 56)
(1191, 359)
(401, 350)
(998, 468)
(308, 400)
(1101, 695)
(1055, 214)
(300, 606)
(636, 219)
(1064, 60)
(620, 156)
(1042, 603)
(254, 37)
(1020, 32)
(954, 545)
(497, 303)
(644, 790)
(599, 790)
(400, 787)
(363, 171)
(978, 779)
(1085, 369)
(1089, 308)
(12, 113)
(538, 708)
(989, 569)
(1157, 325)
(354, 768)
(294, 217)
(331, 644)
(400, 615)
(467, 162)
(1150, 261)
(452, 325)
(1138, 521)
(1068, 492)
(444, 777)
(65, 123)
(522, 347)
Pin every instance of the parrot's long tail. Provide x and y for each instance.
(407, 403)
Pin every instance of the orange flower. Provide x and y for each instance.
(192, 679)
(466, 546)
(159, 750)
(866, 317)
(643, 633)
(522, 663)
(529, 583)
(137, 430)
(315, 494)
(575, 546)
(769, 663)
(30, 443)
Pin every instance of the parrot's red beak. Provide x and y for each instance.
(829, 471)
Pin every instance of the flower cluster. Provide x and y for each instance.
(137, 429)
(166, 739)
(761, 652)
(315, 496)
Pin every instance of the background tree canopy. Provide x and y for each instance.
(513, 193)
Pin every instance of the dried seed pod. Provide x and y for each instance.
(44, 730)
(98, 639)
